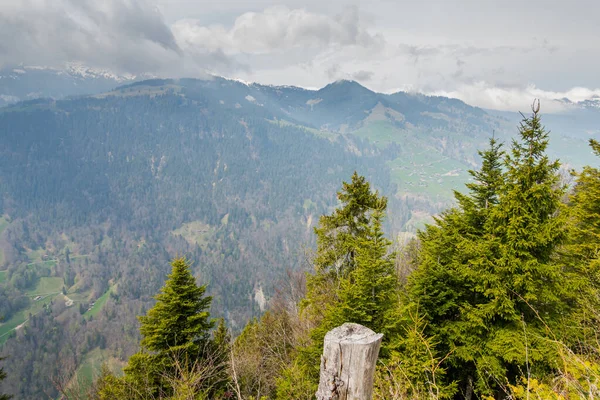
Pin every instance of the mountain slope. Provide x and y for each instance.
(98, 192)
(31, 82)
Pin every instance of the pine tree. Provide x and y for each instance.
(175, 330)
(340, 237)
(368, 293)
(487, 274)
(2, 377)
(335, 233)
(583, 246)
(337, 237)
(484, 191)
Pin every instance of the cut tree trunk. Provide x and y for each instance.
(348, 363)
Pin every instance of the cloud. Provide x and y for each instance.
(124, 35)
(486, 95)
(278, 28)
(333, 72)
(363, 75)
(484, 53)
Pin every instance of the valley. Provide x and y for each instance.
(99, 192)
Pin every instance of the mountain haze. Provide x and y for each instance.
(99, 191)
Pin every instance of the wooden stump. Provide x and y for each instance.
(348, 363)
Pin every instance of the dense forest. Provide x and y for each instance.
(98, 194)
(497, 298)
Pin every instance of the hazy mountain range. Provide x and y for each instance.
(105, 178)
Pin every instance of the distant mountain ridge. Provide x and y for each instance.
(100, 188)
(19, 83)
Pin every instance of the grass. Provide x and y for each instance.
(317, 132)
(98, 304)
(46, 285)
(3, 225)
(3, 276)
(89, 369)
(197, 232)
(23, 316)
(47, 263)
(79, 297)
(382, 133)
(429, 174)
(35, 255)
(420, 169)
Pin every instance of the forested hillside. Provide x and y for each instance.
(99, 193)
(497, 299)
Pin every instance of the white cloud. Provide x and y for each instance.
(277, 29)
(485, 95)
(123, 35)
(492, 55)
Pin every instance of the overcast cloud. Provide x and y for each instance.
(495, 54)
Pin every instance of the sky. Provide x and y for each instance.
(494, 54)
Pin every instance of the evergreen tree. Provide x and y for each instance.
(179, 320)
(175, 334)
(350, 251)
(487, 274)
(2, 377)
(368, 293)
(581, 253)
(336, 232)
(219, 360)
(583, 246)
(527, 227)
(484, 191)
(337, 238)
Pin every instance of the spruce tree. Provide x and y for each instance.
(581, 253)
(176, 329)
(2, 377)
(524, 290)
(484, 190)
(487, 282)
(583, 246)
(340, 237)
(368, 293)
(336, 232)
(180, 319)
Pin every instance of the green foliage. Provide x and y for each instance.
(484, 191)
(582, 249)
(179, 321)
(175, 341)
(263, 349)
(2, 377)
(414, 370)
(294, 383)
(337, 240)
(487, 276)
(354, 280)
(368, 293)
(336, 233)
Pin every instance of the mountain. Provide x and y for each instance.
(30, 82)
(99, 191)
